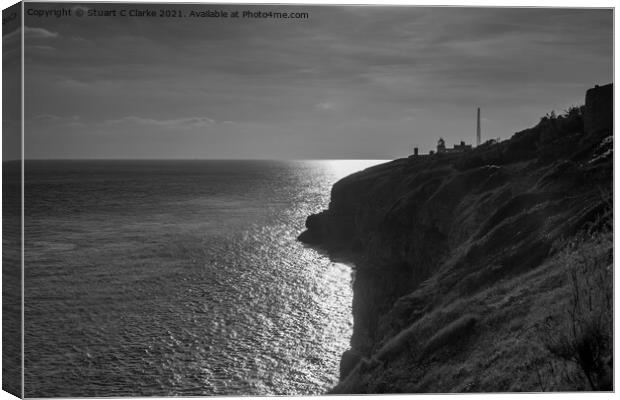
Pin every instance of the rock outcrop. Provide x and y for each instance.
(460, 274)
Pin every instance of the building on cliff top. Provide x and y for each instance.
(599, 110)
(457, 148)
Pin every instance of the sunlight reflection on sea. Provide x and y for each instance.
(181, 278)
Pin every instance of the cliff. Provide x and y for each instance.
(488, 270)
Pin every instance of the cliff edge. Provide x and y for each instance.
(487, 270)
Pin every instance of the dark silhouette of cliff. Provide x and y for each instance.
(470, 271)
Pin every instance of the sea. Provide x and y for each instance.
(180, 278)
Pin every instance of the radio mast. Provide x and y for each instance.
(478, 129)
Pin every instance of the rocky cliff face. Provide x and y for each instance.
(463, 262)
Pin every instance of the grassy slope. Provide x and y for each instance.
(492, 341)
(462, 276)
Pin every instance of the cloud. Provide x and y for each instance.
(42, 48)
(73, 83)
(191, 122)
(38, 33)
(58, 120)
(324, 105)
(316, 81)
(47, 117)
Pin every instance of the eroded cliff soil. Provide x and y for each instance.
(471, 269)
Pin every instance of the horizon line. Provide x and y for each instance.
(199, 159)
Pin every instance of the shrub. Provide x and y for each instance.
(584, 337)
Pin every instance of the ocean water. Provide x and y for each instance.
(180, 278)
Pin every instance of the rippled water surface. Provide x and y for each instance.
(180, 278)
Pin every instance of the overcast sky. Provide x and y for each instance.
(347, 82)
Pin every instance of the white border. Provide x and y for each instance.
(470, 3)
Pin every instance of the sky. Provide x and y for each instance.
(348, 82)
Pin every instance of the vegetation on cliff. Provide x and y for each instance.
(488, 270)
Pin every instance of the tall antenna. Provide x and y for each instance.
(478, 129)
